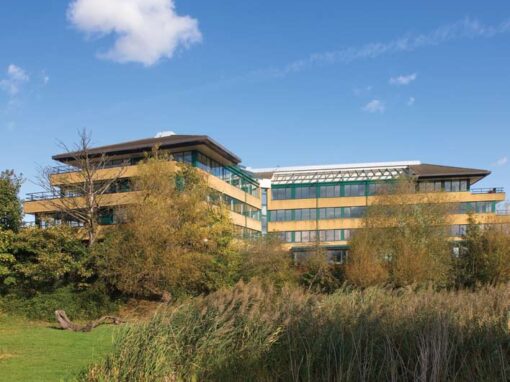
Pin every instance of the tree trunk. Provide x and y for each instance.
(66, 324)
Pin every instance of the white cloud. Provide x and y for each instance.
(145, 30)
(411, 101)
(501, 161)
(14, 79)
(374, 106)
(403, 80)
(463, 29)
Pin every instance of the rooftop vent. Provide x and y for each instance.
(162, 134)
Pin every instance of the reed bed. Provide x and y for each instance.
(255, 332)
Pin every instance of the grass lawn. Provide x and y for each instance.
(34, 351)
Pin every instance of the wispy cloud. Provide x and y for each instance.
(466, 28)
(403, 80)
(501, 161)
(374, 106)
(411, 101)
(145, 31)
(14, 79)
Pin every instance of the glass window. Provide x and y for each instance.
(313, 236)
(330, 235)
(297, 236)
(455, 186)
(357, 212)
(347, 234)
(448, 186)
(298, 215)
(288, 237)
(437, 186)
(288, 215)
(347, 212)
(306, 214)
(463, 185)
(305, 236)
(330, 213)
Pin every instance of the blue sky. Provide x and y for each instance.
(278, 82)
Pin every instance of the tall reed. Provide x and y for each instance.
(257, 333)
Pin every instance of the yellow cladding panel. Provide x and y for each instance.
(480, 218)
(244, 221)
(107, 173)
(237, 193)
(53, 204)
(131, 171)
(348, 201)
(311, 225)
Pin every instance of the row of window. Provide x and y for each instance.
(241, 207)
(445, 185)
(311, 192)
(316, 213)
(314, 236)
(360, 189)
(226, 174)
(477, 207)
(333, 255)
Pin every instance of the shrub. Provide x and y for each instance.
(79, 305)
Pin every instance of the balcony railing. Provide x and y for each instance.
(67, 169)
(502, 212)
(35, 196)
(490, 190)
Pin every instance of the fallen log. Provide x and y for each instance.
(66, 324)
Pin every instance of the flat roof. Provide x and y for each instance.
(364, 171)
(165, 142)
(342, 166)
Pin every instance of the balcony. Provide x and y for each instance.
(492, 190)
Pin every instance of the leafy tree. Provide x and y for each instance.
(11, 212)
(484, 255)
(404, 239)
(41, 259)
(173, 239)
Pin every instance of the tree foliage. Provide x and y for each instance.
(266, 259)
(41, 259)
(404, 239)
(11, 212)
(173, 239)
(484, 255)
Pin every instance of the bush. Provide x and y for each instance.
(79, 305)
(263, 334)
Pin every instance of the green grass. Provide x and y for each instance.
(35, 351)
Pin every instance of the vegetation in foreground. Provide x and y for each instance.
(35, 351)
(256, 333)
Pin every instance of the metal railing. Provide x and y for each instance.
(487, 190)
(35, 196)
(502, 212)
(68, 169)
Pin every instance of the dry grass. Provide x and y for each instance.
(256, 333)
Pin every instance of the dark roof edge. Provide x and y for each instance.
(164, 142)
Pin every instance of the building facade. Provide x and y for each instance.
(303, 205)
